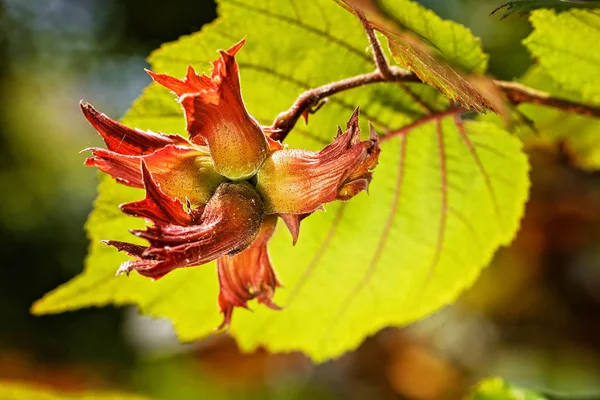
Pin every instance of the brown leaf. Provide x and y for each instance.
(411, 52)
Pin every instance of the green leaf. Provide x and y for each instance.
(566, 47)
(498, 389)
(454, 45)
(23, 391)
(440, 204)
(450, 45)
(455, 42)
(408, 52)
(524, 6)
(577, 134)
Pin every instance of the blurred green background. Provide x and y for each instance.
(533, 317)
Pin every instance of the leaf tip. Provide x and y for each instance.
(37, 308)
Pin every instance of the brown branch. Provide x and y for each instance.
(286, 120)
(380, 60)
(311, 100)
(515, 93)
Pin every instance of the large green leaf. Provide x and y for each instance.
(497, 389)
(579, 135)
(440, 204)
(566, 47)
(23, 391)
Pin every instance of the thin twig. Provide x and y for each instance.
(286, 120)
(515, 93)
(380, 60)
(311, 100)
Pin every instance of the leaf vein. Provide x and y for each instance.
(300, 24)
(486, 176)
(384, 235)
(314, 262)
(439, 245)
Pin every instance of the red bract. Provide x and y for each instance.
(248, 275)
(218, 195)
(216, 115)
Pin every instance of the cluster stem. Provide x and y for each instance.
(311, 100)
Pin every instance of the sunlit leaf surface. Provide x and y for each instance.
(579, 135)
(454, 42)
(410, 53)
(566, 48)
(497, 389)
(443, 199)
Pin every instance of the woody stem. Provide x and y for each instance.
(514, 92)
(380, 60)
